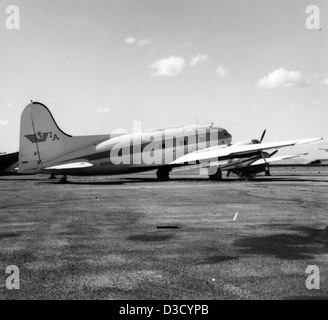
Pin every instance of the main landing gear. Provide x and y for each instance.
(217, 176)
(63, 179)
(163, 174)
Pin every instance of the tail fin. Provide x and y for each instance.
(40, 138)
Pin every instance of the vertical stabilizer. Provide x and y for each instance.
(41, 140)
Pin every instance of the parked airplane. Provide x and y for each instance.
(8, 163)
(46, 149)
(323, 149)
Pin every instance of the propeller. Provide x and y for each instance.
(266, 155)
(255, 141)
(273, 153)
(263, 134)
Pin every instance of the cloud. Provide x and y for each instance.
(3, 122)
(103, 110)
(324, 81)
(143, 42)
(283, 78)
(140, 43)
(197, 59)
(130, 40)
(221, 72)
(169, 67)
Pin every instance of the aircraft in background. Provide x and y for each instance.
(323, 149)
(8, 163)
(46, 149)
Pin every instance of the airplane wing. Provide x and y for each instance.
(74, 165)
(273, 159)
(215, 153)
(228, 166)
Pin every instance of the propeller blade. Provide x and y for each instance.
(273, 153)
(263, 134)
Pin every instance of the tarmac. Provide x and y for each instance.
(133, 237)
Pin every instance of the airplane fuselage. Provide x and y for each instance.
(137, 152)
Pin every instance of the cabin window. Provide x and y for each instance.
(225, 133)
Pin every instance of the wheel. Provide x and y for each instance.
(163, 174)
(217, 176)
(63, 179)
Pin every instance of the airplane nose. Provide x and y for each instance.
(226, 134)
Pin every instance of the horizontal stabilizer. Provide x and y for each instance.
(74, 165)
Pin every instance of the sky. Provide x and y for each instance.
(101, 65)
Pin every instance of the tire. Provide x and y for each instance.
(163, 174)
(63, 180)
(217, 176)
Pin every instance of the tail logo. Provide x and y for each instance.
(41, 137)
